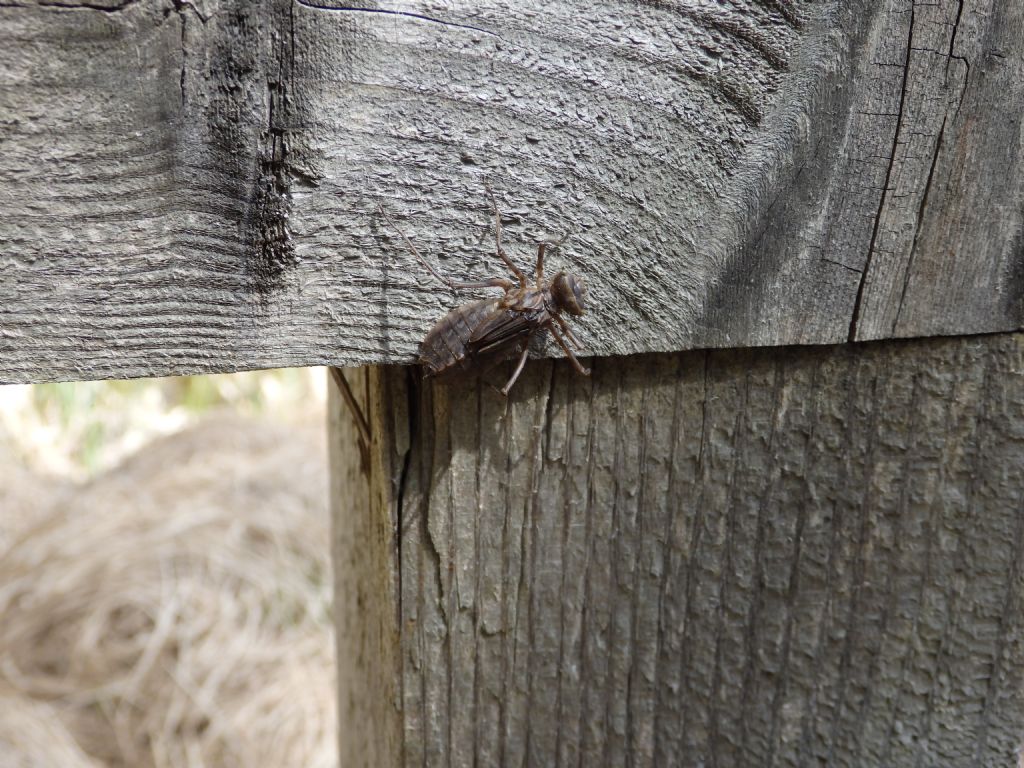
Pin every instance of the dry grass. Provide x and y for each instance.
(172, 611)
(33, 736)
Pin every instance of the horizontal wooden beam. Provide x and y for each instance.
(190, 187)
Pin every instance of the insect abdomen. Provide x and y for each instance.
(447, 344)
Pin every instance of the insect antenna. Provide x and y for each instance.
(494, 282)
(408, 244)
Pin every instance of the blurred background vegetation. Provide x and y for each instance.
(165, 580)
(78, 430)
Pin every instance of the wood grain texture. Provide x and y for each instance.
(193, 186)
(794, 556)
(363, 541)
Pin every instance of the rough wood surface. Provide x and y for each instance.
(795, 556)
(365, 580)
(192, 186)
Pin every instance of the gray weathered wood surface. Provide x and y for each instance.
(192, 186)
(796, 556)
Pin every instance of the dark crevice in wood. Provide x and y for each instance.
(564, 531)
(479, 483)
(445, 542)
(950, 57)
(908, 269)
(184, 59)
(405, 14)
(505, 475)
(866, 272)
(619, 479)
(587, 605)
(76, 6)
(401, 485)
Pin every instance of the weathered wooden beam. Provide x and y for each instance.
(193, 186)
(797, 556)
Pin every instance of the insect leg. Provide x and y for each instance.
(572, 358)
(494, 282)
(568, 331)
(408, 244)
(540, 256)
(520, 275)
(518, 370)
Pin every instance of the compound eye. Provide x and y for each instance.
(571, 293)
(579, 293)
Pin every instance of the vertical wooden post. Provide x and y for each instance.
(364, 547)
(776, 557)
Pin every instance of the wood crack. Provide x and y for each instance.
(585, 609)
(632, 673)
(401, 486)
(184, 54)
(568, 509)
(619, 479)
(865, 273)
(73, 6)
(404, 14)
(951, 56)
(908, 269)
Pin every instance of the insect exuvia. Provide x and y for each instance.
(479, 335)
